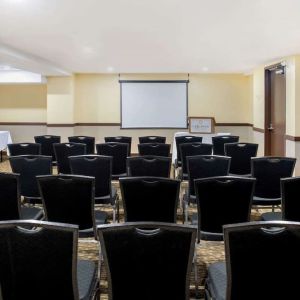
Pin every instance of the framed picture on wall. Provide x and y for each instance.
(201, 125)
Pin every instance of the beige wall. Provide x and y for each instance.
(23, 103)
(228, 98)
(60, 100)
(97, 98)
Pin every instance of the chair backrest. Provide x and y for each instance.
(275, 246)
(68, 199)
(24, 149)
(63, 151)
(156, 166)
(89, 141)
(119, 152)
(156, 149)
(150, 199)
(47, 142)
(240, 154)
(203, 166)
(268, 171)
(290, 191)
(97, 166)
(192, 149)
(185, 139)
(38, 263)
(30, 166)
(152, 139)
(10, 197)
(223, 200)
(119, 139)
(219, 142)
(140, 254)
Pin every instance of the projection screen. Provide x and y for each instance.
(154, 104)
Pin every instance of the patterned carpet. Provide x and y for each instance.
(206, 252)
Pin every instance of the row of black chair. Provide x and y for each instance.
(218, 143)
(71, 199)
(47, 141)
(134, 255)
(268, 171)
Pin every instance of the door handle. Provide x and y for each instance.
(271, 127)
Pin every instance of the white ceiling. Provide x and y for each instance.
(128, 36)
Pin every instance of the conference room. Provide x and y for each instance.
(149, 149)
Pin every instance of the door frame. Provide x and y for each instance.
(267, 135)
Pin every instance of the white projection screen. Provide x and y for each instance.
(154, 104)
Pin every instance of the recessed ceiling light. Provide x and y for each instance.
(110, 69)
(205, 69)
(7, 68)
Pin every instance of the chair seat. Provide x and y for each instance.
(117, 176)
(189, 199)
(31, 213)
(240, 175)
(266, 201)
(87, 279)
(271, 216)
(194, 219)
(216, 281)
(100, 218)
(106, 199)
(33, 200)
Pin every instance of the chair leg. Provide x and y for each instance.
(195, 272)
(186, 212)
(114, 214)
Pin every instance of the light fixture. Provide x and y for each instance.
(110, 69)
(204, 69)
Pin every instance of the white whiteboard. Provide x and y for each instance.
(154, 104)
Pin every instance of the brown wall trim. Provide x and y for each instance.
(107, 124)
(24, 123)
(234, 124)
(60, 125)
(258, 130)
(292, 138)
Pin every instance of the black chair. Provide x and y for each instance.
(290, 205)
(46, 142)
(10, 200)
(41, 262)
(182, 140)
(89, 141)
(150, 199)
(192, 149)
(70, 199)
(202, 166)
(240, 154)
(139, 254)
(99, 167)
(219, 141)
(119, 139)
(261, 260)
(268, 171)
(155, 166)
(156, 149)
(119, 152)
(24, 149)
(222, 200)
(63, 151)
(30, 166)
(152, 139)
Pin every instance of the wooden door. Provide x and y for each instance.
(275, 112)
